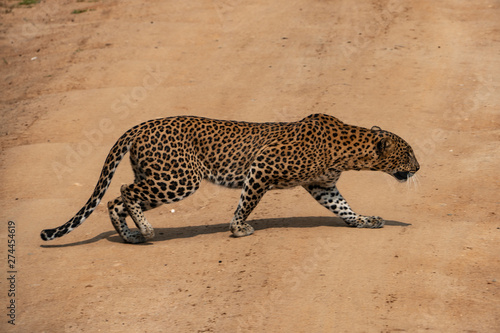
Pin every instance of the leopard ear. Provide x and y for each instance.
(385, 146)
(376, 129)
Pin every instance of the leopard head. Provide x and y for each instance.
(393, 155)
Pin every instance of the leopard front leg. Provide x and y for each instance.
(252, 192)
(331, 198)
(238, 226)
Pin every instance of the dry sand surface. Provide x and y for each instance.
(76, 74)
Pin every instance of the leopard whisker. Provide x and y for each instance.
(414, 182)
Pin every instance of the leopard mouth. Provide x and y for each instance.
(402, 176)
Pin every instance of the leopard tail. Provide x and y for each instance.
(115, 155)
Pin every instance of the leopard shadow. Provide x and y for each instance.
(165, 234)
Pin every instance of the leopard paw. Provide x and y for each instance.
(241, 230)
(134, 237)
(371, 222)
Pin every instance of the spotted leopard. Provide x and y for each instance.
(171, 156)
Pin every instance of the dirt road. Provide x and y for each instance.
(76, 74)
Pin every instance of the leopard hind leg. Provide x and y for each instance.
(118, 214)
(144, 195)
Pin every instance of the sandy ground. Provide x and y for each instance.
(73, 82)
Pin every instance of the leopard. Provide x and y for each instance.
(171, 156)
